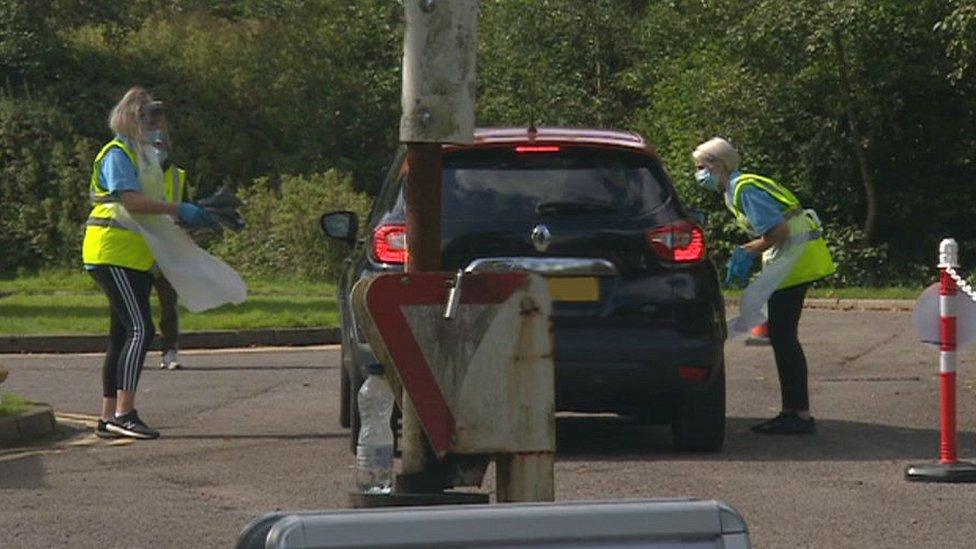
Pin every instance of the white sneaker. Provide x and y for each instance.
(170, 361)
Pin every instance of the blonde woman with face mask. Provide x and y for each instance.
(782, 231)
(127, 179)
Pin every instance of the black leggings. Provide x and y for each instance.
(131, 329)
(169, 318)
(785, 307)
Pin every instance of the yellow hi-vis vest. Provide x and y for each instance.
(805, 229)
(106, 241)
(175, 184)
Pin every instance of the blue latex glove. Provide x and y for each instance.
(739, 266)
(195, 217)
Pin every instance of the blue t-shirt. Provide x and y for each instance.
(762, 210)
(118, 172)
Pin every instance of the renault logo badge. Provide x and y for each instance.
(541, 238)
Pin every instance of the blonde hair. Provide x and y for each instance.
(124, 118)
(719, 153)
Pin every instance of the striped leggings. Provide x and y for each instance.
(131, 329)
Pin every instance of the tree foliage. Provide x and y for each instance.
(865, 108)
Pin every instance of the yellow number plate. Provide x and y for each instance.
(574, 288)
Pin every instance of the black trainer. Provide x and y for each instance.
(102, 430)
(786, 423)
(129, 425)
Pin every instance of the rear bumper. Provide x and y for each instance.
(612, 369)
(628, 369)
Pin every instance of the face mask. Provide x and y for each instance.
(162, 156)
(705, 178)
(156, 138)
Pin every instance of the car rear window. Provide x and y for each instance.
(489, 183)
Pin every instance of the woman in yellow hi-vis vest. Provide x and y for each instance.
(790, 239)
(126, 180)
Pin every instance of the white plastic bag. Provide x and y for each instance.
(752, 304)
(201, 280)
(778, 263)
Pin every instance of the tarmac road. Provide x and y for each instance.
(246, 432)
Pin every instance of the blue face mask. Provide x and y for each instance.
(705, 178)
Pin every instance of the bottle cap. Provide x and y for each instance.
(374, 369)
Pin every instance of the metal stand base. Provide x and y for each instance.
(937, 472)
(364, 501)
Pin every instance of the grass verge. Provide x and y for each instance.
(11, 405)
(71, 303)
(894, 292)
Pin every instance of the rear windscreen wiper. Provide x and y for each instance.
(570, 207)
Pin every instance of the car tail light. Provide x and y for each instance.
(390, 243)
(680, 242)
(522, 149)
(695, 374)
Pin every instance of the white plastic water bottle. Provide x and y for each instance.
(374, 448)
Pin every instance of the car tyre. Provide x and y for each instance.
(344, 396)
(353, 415)
(698, 424)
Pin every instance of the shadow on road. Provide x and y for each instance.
(613, 438)
(268, 436)
(256, 368)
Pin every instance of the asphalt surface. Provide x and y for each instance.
(247, 432)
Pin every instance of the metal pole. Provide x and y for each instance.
(419, 467)
(525, 477)
(439, 55)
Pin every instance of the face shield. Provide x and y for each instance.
(152, 119)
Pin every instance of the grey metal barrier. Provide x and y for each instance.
(656, 523)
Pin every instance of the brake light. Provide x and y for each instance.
(695, 374)
(680, 242)
(521, 149)
(390, 243)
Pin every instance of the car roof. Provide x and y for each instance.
(488, 137)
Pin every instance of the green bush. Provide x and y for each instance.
(283, 235)
(45, 168)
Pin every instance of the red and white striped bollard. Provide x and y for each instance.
(949, 468)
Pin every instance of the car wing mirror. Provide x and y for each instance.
(340, 226)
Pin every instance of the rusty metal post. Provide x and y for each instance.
(525, 477)
(420, 472)
(439, 54)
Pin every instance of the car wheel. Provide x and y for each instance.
(353, 415)
(344, 391)
(698, 424)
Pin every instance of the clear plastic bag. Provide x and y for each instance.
(778, 263)
(201, 280)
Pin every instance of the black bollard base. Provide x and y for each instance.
(937, 472)
(359, 500)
